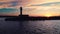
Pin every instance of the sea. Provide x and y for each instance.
(30, 27)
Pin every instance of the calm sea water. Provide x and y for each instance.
(30, 27)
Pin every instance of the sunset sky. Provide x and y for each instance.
(30, 7)
(43, 8)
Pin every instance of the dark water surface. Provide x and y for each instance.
(30, 27)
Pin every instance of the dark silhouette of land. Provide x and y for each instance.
(26, 18)
(22, 17)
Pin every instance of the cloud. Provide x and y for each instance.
(9, 4)
(6, 11)
(6, 0)
(46, 8)
(13, 3)
(47, 4)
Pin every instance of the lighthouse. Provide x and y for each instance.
(21, 15)
(21, 11)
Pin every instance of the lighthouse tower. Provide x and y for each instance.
(21, 15)
(20, 11)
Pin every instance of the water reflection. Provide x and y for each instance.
(40, 27)
(30, 27)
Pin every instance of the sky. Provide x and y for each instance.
(11, 7)
(43, 8)
(30, 7)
